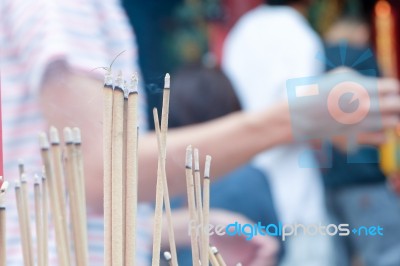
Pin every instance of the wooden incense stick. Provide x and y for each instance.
(117, 218)
(168, 257)
(212, 251)
(24, 242)
(26, 217)
(163, 150)
(206, 210)
(3, 228)
(45, 220)
(192, 208)
(199, 204)
(107, 155)
(219, 257)
(73, 187)
(158, 212)
(38, 220)
(167, 204)
(79, 184)
(59, 186)
(62, 249)
(131, 184)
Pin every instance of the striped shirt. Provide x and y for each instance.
(34, 34)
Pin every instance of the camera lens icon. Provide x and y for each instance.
(344, 103)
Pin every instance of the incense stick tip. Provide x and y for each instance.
(68, 138)
(167, 81)
(119, 82)
(167, 256)
(196, 160)
(207, 167)
(43, 141)
(134, 83)
(214, 250)
(76, 135)
(17, 184)
(54, 137)
(189, 158)
(23, 177)
(108, 80)
(37, 179)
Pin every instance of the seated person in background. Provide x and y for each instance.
(201, 94)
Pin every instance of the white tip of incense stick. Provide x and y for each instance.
(20, 162)
(54, 137)
(17, 184)
(214, 250)
(239, 264)
(43, 141)
(77, 137)
(4, 187)
(119, 82)
(23, 177)
(196, 160)
(189, 158)
(207, 167)
(167, 81)
(134, 83)
(125, 89)
(167, 256)
(68, 138)
(108, 80)
(37, 179)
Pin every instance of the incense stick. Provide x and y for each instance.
(158, 211)
(72, 176)
(107, 174)
(24, 242)
(26, 218)
(39, 221)
(117, 218)
(131, 173)
(162, 154)
(3, 229)
(163, 150)
(62, 249)
(79, 185)
(45, 220)
(192, 207)
(219, 257)
(168, 257)
(21, 167)
(212, 251)
(199, 205)
(206, 209)
(59, 186)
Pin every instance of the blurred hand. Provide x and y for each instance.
(259, 251)
(346, 103)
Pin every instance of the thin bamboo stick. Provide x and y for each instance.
(26, 218)
(117, 219)
(45, 208)
(206, 211)
(3, 227)
(62, 249)
(131, 173)
(107, 172)
(60, 187)
(79, 184)
(24, 242)
(71, 176)
(219, 257)
(212, 254)
(199, 204)
(158, 212)
(39, 221)
(192, 208)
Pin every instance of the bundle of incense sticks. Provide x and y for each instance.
(120, 144)
(64, 199)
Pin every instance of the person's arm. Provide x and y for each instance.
(76, 100)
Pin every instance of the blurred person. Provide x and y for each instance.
(48, 52)
(358, 193)
(201, 94)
